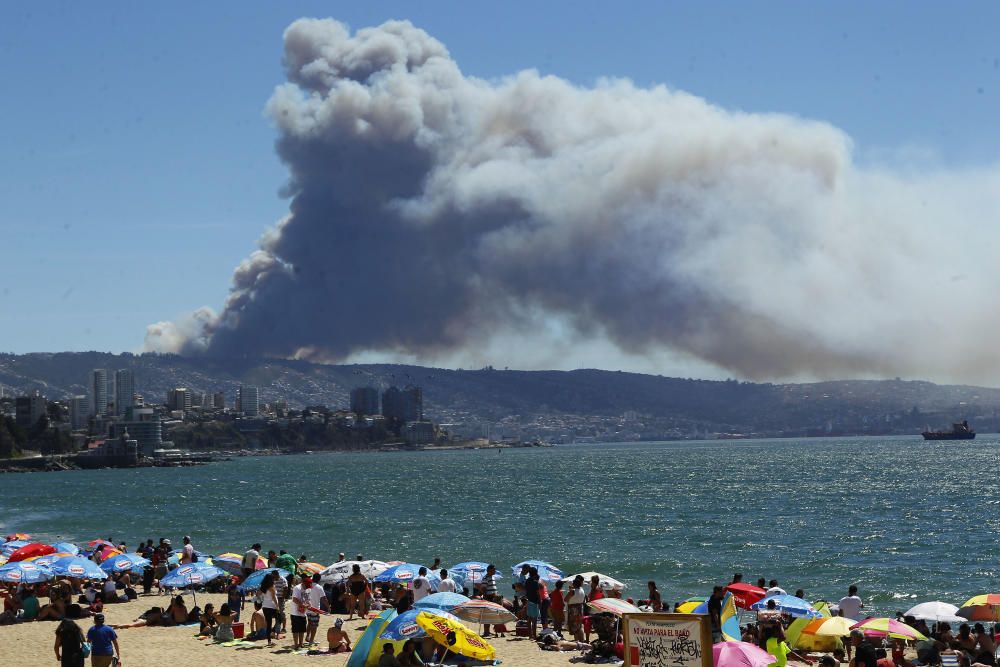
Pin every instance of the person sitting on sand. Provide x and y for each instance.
(337, 639)
(55, 610)
(984, 641)
(177, 612)
(208, 622)
(387, 659)
(224, 623)
(408, 656)
(550, 642)
(258, 623)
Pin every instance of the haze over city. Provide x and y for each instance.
(683, 190)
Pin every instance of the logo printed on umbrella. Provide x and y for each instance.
(15, 576)
(76, 569)
(403, 576)
(409, 629)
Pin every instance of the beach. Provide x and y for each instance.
(30, 644)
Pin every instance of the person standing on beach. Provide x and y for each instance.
(250, 560)
(69, 644)
(489, 583)
(269, 604)
(281, 589)
(851, 605)
(300, 604)
(187, 551)
(575, 601)
(557, 607)
(446, 585)
(534, 602)
(421, 585)
(103, 643)
(715, 613)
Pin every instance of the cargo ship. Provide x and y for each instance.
(960, 431)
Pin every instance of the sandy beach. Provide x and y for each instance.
(30, 644)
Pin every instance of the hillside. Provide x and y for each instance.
(671, 407)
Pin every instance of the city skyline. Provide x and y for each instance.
(866, 71)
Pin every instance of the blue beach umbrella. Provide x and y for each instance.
(129, 562)
(24, 573)
(403, 573)
(252, 582)
(66, 548)
(7, 548)
(194, 574)
(77, 568)
(405, 626)
(49, 559)
(788, 604)
(441, 602)
(471, 571)
(546, 571)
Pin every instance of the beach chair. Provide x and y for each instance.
(949, 660)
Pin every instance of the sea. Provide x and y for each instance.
(908, 521)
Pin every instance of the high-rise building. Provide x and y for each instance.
(179, 399)
(406, 405)
(219, 400)
(124, 390)
(248, 400)
(98, 392)
(364, 401)
(29, 409)
(79, 410)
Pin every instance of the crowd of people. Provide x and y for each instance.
(554, 613)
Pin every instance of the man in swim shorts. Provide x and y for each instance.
(337, 639)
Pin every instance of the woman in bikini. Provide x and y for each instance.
(357, 591)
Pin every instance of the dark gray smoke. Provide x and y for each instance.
(434, 214)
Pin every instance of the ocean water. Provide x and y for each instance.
(906, 520)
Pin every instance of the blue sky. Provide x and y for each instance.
(137, 167)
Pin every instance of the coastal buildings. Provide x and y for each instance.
(219, 400)
(124, 390)
(364, 401)
(406, 405)
(98, 392)
(179, 398)
(79, 410)
(142, 425)
(29, 409)
(248, 400)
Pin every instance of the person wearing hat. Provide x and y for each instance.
(304, 599)
(103, 642)
(338, 640)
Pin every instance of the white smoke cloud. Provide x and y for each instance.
(434, 214)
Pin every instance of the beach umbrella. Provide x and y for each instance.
(24, 573)
(67, 547)
(471, 571)
(740, 654)
(614, 606)
(888, 626)
(193, 574)
(788, 604)
(95, 544)
(77, 568)
(831, 626)
(10, 547)
(31, 551)
(17, 537)
(455, 637)
(309, 568)
(405, 626)
(604, 581)
(105, 552)
(483, 612)
(746, 594)
(339, 572)
(230, 562)
(441, 601)
(47, 560)
(981, 608)
(688, 606)
(546, 571)
(403, 573)
(124, 563)
(939, 612)
(252, 582)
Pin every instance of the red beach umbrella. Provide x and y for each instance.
(31, 551)
(745, 595)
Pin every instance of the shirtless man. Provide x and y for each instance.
(337, 638)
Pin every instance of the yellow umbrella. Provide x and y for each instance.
(835, 626)
(455, 637)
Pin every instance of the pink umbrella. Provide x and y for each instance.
(740, 654)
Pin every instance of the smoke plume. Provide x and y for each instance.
(434, 213)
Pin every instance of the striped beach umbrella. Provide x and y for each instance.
(984, 607)
(887, 626)
(614, 606)
(229, 562)
(835, 626)
(483, 612)
(310, 568)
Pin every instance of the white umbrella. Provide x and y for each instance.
(939, 612)
(339, 572)
(605, 582)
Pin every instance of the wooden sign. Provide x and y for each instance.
(667, 640)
